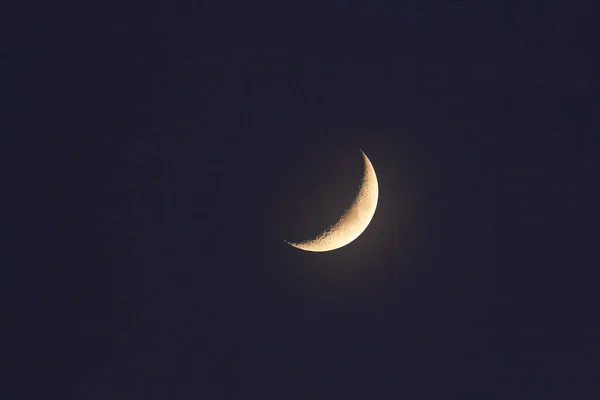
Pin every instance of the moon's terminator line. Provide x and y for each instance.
(354, 221)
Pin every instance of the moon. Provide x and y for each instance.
(354, 221)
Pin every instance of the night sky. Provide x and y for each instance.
(183, 142)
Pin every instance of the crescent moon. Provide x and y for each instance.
(354, 221)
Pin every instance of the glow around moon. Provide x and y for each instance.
(354, 221)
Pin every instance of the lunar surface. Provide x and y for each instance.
(354, 221)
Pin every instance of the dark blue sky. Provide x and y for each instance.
(185, 141)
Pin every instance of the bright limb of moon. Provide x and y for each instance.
(354, 221)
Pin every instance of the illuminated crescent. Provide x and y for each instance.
(354, 221)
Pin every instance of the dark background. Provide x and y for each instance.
(183, 142)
